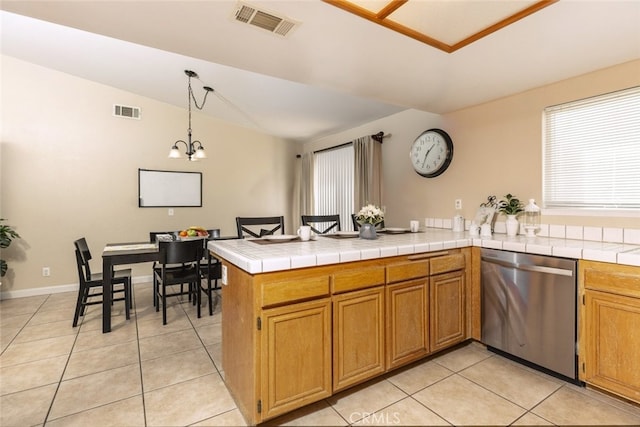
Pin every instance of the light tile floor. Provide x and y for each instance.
(146, 374)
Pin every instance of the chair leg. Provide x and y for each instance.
(164, 304)
(127, 298)
(85, 298)
(79, 306)
(209, 296)
(156, 295)
(197, 296)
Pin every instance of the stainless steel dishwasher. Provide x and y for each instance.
(529, 309)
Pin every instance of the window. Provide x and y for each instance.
(591, 153)
(333, 183)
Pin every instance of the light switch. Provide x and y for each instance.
(170, 212)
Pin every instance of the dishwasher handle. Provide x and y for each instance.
(529, 267)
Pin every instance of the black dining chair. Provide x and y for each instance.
(356, 224)
(322, 224)
(90, 283)
(187, 254)
(210, 268)
(259, 226)
(153, 237)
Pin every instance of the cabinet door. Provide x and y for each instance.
(407, 322)
(447, 310)
(611, 358)
(358, 336)
(296, 356)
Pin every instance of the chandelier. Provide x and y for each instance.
(194, 149)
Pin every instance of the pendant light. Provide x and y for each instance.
(194, 149)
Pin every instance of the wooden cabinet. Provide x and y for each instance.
(610, 330)
(447, 310)
(291, 338)
(358, 337)
(296, 356)
(358, 325)
(407, 322)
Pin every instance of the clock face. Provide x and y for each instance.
(431, 153)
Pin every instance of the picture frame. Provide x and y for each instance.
(485, 215)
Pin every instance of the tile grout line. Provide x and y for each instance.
(55, 394)
(144, 406)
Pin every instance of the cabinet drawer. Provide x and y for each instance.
(447, 263)
(357, 279)
(624, 281)
(294, 290)
(407, 270)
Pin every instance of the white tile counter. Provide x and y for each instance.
(255, 258)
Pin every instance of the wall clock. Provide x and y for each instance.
(431, 153)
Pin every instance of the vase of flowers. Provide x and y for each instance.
(368, 217)
(511, 206)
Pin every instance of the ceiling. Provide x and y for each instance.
(334, 70)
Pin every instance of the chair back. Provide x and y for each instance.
(322, 224)
(259, 226)
(181, 252)
(356, 224)
(83, 255)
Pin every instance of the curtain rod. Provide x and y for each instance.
(377, 137)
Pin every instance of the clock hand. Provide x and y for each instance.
(427, 154)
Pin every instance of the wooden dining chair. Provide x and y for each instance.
(90, 283)
(259, 226)
(187, 254)
(322, 224)
(356, 224)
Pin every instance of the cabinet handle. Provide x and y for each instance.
(427, 255)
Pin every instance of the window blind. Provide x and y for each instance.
(333, 184)
(591, 152)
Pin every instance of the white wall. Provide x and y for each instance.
(497, 150)
(69, 169)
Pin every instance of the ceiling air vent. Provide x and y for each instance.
(261, 18)
(128, 112)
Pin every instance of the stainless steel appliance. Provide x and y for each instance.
(529, 309)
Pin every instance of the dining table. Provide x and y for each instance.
(131, 253)
(119, 254)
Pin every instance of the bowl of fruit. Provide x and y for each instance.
(193, 232)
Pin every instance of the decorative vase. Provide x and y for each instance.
(368, 231)
(512, 225)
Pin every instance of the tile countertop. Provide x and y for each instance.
(255, 258)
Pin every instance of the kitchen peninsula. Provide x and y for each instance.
(305, 320)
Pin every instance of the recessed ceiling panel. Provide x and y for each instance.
(452, 21)
(444, 24)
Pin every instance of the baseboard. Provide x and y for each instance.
(73, 287)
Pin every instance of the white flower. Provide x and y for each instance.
(370, 214)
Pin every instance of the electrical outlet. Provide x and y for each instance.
(458, 203)
(46, 271)
(170, 212)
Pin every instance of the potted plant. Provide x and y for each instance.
(511, 206)
(7, 234)
(368, 217)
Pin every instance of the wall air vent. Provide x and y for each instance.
(261, 18)
(128, 112)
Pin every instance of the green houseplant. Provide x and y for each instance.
(511, 206)
(7, 234)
